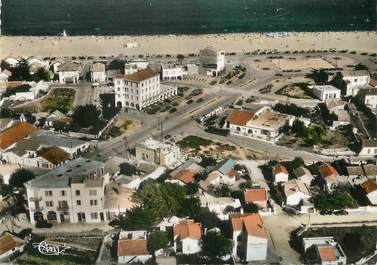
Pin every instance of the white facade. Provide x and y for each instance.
(355, 80)
(264, 125)
(256, 247)
(140, 89)
(59, 198)
(132, 247)
(372, 197)
(326, 92)
(172, 72)
(98, 73)
(281, 177)
(189, 246)
(369, 147)
(69, 77)
(219, 205)
(212, 61)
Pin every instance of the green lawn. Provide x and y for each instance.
(193, 141)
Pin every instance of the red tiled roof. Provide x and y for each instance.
(327, 253)
(54, 154)
(186, 176)
(369, 186)
(253, 224)
(188, 229)
(279, 168)
(129, 247)
(327, 171)
(373, 82)
(255, 195)
(141, 75)
(239, 117)
(7, 243)
(15, 133)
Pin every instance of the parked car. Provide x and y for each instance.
(326, 212)
(189, 101)
(341, 212)
(200, 100)
(167, 136)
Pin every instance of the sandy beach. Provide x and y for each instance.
(183, 44)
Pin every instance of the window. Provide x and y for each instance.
(48, 193)
(49, 204)
(94, 215)
(62, 193)
(92, 192)
(93, 202)
(78, 203)
(77, 193)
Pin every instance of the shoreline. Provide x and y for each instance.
(59, 46)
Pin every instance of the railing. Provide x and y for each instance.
(35, 199)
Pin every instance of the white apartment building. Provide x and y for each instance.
(212, 61)
(326, 92)
(250, 238)
(264, 124)
(355, 80)
(172, 72)
(69, 72)
(71, 193)
(98, 73)
(140, 89)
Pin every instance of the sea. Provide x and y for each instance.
(147, 17)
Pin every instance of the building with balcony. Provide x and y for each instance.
(141, 89)
(73, 192)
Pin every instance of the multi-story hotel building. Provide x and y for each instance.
(74, 192)
(141, 89)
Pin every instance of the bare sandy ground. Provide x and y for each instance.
(184, 44)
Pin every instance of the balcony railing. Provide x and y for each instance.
(62, 208)
(35, 199)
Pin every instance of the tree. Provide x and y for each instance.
(335, 201)
(108, 107)
(21, 72)
(320, 77)
(4, 65)
(160, 199)
(361, 66)
(21, 176)
(222, 191)
(207, 161)
(192, 188)
(339, 83)
(42, 74)
(216, 245)
(190, 207)
(135, 219)
(127, 169)
(157, 240)
(87, 115)
(251, 208)
(207, 218)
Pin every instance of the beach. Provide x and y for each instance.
(22, 46)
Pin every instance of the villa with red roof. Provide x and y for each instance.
(330, 177)
(280, 173)
(258, 197)
(187, 236)
(265, 124)
(250, 237)
(132, 247)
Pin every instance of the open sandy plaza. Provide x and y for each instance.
(184, 44)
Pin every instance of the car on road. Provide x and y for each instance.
(200, 100)
(189, 101)
(95, 84)
(326, 212)
(341, 212)
(167, 136)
